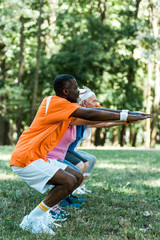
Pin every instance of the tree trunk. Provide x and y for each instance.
(4, 123)
(133, 137)
(148, 100)
(19, 125)
(122, 135)
(92, 139)
(137, 8)
(2, 65)
(156, 106)
(100, 137)
(4, 131)
(115, 140)
(36, 80)
(20, 72)
(155, 21)
(20, 75)
(102, 8)
(3, 71)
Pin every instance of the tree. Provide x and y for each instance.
(110, 46)
(155, 8)
(20, 74)
(36, 79)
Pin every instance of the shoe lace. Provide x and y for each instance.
(58, 208)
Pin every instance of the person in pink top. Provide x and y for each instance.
(60, 150)
(58, 154)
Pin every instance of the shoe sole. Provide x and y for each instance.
(29, 229)
(59, 220)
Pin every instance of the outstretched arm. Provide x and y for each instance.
(130, 112)
(95, 114)
(80, 121)
(110, 124)
(106, 124)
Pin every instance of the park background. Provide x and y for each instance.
(112, 47)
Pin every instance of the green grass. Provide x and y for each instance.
(124, 203)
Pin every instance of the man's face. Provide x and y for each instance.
(73, 95)
(91, 102)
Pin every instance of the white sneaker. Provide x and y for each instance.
(79, 191)
(49, 221)
(35, 226)
(83, 187)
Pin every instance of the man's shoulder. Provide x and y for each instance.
(57, 105)
(62, 101)
(54, 100)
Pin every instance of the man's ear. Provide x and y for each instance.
(65, 91)
(84, 103)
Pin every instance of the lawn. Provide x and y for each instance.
(124, 204)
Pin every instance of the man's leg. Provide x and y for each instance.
(69, 164)
(65, 183)
(70, 157)
(87, 159)
(87, 156)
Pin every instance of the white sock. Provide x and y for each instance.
(38, 211)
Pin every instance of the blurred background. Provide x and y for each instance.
(110, 46)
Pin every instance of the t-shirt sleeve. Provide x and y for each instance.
(60, 110)
(73, 119)
(99, 106)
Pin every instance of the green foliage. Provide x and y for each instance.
(104, 44)
(96, 49)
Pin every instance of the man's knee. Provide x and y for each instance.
(86, 165)
(94, 159)
(71, 183)
(76, 173)
(80, 165)
(79, 177)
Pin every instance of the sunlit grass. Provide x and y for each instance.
(124, 203)
(4, 176)
(153, 183)
(107, 165)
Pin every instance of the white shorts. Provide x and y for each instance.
(38, 173)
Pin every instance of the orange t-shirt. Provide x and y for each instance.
(45, 132)
(99, 106)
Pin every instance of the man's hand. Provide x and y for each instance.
(136, 117)
(130, 122)
(142, 114)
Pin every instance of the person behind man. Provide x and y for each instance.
(58, 154)
(87, 99)
(29, 161)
